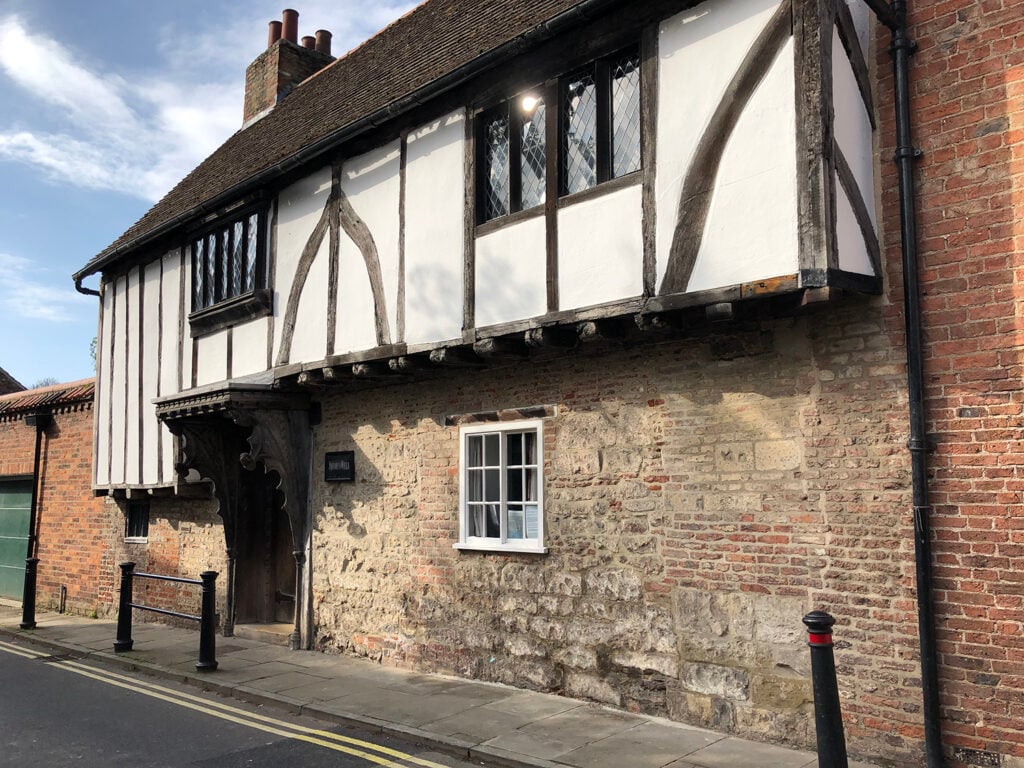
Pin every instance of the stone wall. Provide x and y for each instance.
(701, 495)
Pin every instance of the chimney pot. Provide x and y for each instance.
(323, 41)
(290, 23)
(274, 33)
(309, 42)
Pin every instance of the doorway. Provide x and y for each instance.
(265, 589)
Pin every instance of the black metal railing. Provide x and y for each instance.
(207, 619)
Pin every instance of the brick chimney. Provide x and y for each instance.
(284, 64)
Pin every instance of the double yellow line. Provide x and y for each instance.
(380, 755)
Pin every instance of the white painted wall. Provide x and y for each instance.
(600, 249)
(862, 20)
(434, 238)
(120, 382)
(133, 422)
(752, 231)
(511, 273)
(212, 358)
(249, 347)
(309, 342)
(700, 50)
(372, 184)
(170, 349)
(101, 414)
(854, 139)
(150, 374)
(187, 342)
(299, 209)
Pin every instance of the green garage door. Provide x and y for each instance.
(15, 504)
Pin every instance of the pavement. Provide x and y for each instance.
(488, 722)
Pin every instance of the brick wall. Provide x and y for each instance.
(968, 113)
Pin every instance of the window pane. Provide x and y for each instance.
(530, 484)
(475, 489)
(533, 161)
(225, 267)
(492, 485)
(211, 269)
(237, 251)
(580, 162)
(474, 450)
(253, 231)
(626, 115)
(514, 484)
(197, 275)
(492, 450)
(530, 443)
(475, 521)
(516, 522)
(514, 449)
(492, 521)
(496, 170)
(532, 522)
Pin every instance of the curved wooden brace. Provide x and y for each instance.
(360, 234)
(309, 252)
(695, 197)
(860, 209)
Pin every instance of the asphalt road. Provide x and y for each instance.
(57, 711)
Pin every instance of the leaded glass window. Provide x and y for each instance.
(625, 85)
(580, 133)
(226, 261)
(497, 191)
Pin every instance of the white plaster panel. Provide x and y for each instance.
(853, 253)
(187, 342)
(600, 250)
(170, 349)
(511, 273)
(434, 234)
(852, 124)
(249, 347)
(299, 208)
(104, 361)
(372, 184)
(310, 340)
(862, 21)
(752, 231)
(699, 51)
(120, 381)
(151, 358)
(212, 358)
(133, 380)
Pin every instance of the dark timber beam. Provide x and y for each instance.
(552, 336)
(371, 370)
(600, 330)
(492, 347)
(455, 356)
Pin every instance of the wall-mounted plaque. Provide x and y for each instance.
(340, 466)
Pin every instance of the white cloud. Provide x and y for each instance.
(140, 133)
(26, 291)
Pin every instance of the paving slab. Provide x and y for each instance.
(397, 707)
(648, 745)
(730, 752)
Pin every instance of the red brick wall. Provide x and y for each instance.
(968, 118)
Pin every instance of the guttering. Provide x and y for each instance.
(40, 420)
(311, 152)
(82, 289)
(894, 16)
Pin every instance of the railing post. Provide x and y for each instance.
(207, 628)
(28, 595)
(828, 718)
(124, 610)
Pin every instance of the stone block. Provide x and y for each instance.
(734, 457)
(777, 455)
(714, 680)
(584, 686)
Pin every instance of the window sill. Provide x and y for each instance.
(507, 548)
(233, 311)
(136, 539)
(604, 188)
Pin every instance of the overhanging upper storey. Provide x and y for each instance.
(599, 161)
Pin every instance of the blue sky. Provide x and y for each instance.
(105, 106)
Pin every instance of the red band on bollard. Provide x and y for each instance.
(818, 639)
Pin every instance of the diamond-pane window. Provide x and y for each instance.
(625, 87)
(580, 162)
(497, 190)
(225, 261)
(533, 152)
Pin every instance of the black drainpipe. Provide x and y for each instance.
(40, 420)
(894, 16)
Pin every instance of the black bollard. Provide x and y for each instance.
(124, 610)
(828, 718)
(28, 595)
(207, 628)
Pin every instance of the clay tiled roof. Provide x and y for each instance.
(53, 397)
(433, 40)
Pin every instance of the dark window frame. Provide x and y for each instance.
(136, 520)
(228, 300)
(554, 94)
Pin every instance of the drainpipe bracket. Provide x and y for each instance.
(902, 153)
(903, 43)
